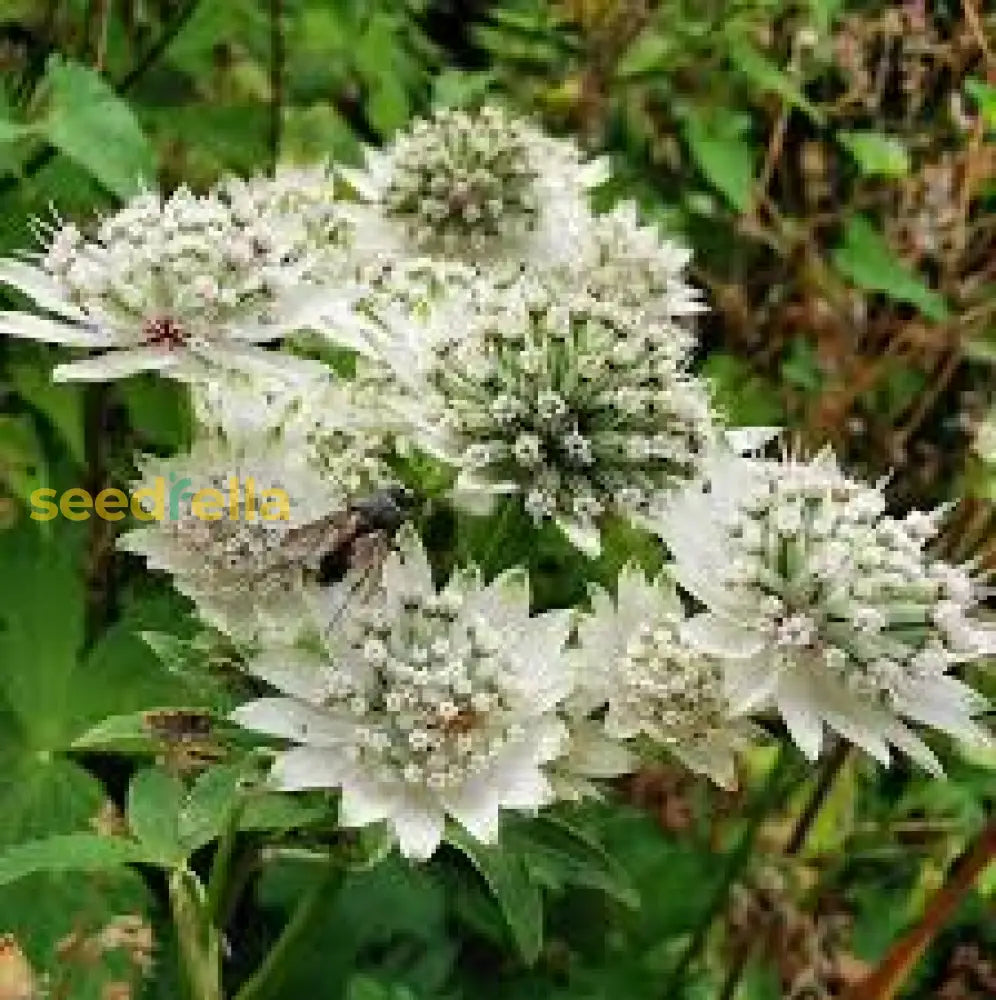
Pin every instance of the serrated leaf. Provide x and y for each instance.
(866, 259)
(79, 852)
(724, 155)
(88, 122)
(877, 154)
(517, 895)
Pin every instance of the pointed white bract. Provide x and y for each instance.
(824, 607)
(421, 704)
(635, 668)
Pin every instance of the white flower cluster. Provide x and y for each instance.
(481, 186)
(825, 607)
(520, 347)
(185, 283)
(562, 401)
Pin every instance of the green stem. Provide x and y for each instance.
(735, 862)
(221, 866)
(198, 941)
(268, 976)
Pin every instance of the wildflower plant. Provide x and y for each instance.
(497, 343)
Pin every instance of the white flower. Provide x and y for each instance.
(241, 523)
(559, 401)
(476, 186)
(633, 662)
(823, 606)
(644, 278)
(419, 704)
(178, 285)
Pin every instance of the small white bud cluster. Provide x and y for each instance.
(458, 178)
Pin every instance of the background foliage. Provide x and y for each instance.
(833, 163)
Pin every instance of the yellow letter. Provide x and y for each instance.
(110, 500)
(76, 504)
(276, 496)
(207, 504)
(42, 508)
(157, 494)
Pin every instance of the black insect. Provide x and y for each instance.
(363, 534)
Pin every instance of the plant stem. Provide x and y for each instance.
(267, 977)
(900, 960)
(735, 861)
(198, 941)
(221, 866)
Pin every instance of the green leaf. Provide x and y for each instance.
(88, 122)
(558, 855)
(724, 155)
(802, 366)
(769, 78)
(742, 396)
(66, 924)
(128, 734)
(516, 894)
(870, 263)
(82, 852)
(984, 94)
(877, 154)
(154, 802)
(652, 51)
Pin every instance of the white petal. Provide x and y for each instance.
(364, 802)
(39, 287)
(18, 324)
(914, 747)
(260, 363)
(419, 827)
(750, 684)
(293, 720)
(293, 672)
(720, 637)
(804, 725)
(586, 538)
(120, 364)
(308, 767)
(475, 808)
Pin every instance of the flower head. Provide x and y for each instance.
(420, 704)
(478, 185)
(824, 606)
(634, 663)
(627, 264)
(178, 284)
(242, 521)
(560, 401)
